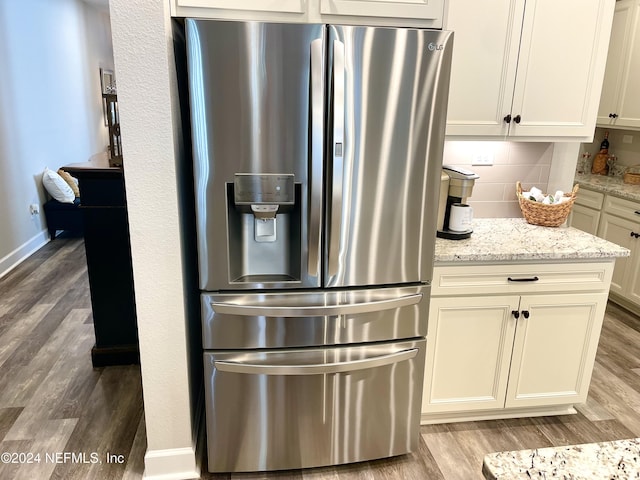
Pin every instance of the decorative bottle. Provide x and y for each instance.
(600, 166)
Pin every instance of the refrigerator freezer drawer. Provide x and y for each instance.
(305, 319)
(284, 409)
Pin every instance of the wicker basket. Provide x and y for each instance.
(631, 178)
(537, 213)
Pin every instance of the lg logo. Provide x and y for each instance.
(432, 47)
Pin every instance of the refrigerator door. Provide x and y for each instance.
(307, 319)
(257, 112)
(388, 91)
(285, 409)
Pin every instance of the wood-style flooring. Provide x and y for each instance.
(53, 403)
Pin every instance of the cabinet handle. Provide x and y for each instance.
(613, 115)
(635, 235)
(525, 313)
(515, 313)
(517, 118)
(528, 279)
(637, 212)
(507, 119)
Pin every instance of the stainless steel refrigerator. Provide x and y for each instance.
(317, 152)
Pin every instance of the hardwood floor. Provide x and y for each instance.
(51, 399)
(52, 402)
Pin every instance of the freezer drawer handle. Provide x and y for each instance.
(315, 369)
(316, 310)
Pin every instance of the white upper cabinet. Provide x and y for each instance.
(530, 70)
(485, 57)
(415, 9)
(418, 13)
(238, 9)
(620, 100)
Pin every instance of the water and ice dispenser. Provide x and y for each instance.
(264, 228)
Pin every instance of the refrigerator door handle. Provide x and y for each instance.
(338, 155)
(317, 145)
(315, 368)
(315, 310)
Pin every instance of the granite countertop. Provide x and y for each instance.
(611, 185)
(515, 240)
(619, 459)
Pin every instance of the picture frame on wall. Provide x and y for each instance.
(106, 87)
(106, 80)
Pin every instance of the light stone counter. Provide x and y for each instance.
(514, 240)
(611, 185)
(619, 459)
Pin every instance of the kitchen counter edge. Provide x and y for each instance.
(510, 240)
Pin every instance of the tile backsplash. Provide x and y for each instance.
(494, 193)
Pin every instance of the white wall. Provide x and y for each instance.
(50, 106)
(149, 119)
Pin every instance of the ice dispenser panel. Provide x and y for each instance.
(264, 228)
(264, 189)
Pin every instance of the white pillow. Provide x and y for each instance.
(57, 187)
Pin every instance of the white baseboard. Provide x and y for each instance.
(15, 258)
(171, 464)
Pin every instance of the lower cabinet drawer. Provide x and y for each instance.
(589, 198)
(298, 408)
(521, 278)
(622, 208)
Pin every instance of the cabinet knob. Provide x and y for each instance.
(516, 314)
(507, 119)
(615, 115)
(517, 118)
(525, 313)
(635, 235)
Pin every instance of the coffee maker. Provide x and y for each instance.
(456, 185)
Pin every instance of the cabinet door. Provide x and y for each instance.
(485, 56)
(585, 219)
(282, 6)
(616, 61)
(634, 276)
(418, 9)
(469, 345)
(618, 230)
(554, 349)
(561, 67)
(629, 101)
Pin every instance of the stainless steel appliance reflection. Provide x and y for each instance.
(317, 152)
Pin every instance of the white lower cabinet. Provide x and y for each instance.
(625, 232)
(618, 221)
(509, 355)
(585, 214)
(585, 219)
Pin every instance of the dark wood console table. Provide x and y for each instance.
(106, 236)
